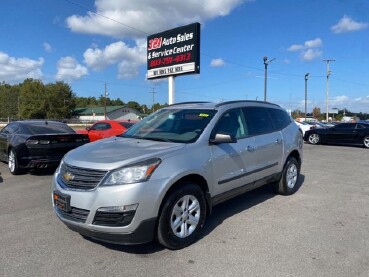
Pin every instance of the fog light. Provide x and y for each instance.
(115, 209)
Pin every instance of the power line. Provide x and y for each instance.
(106, 17)
(153, 98)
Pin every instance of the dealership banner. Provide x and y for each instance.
(174, 52)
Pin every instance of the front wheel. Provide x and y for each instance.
(314, 138)
(288, 183)
(13, 163)
(182, 217)
(366, 142)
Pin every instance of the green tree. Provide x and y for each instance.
(9, 99)
(33, 99)
(317, 113)
(117, 102)
(60, 100)
(134, 105)
(296, 113)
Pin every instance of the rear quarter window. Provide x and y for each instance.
(280, 118)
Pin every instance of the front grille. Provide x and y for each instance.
(79, 178)
(113, 219)
(77, 215)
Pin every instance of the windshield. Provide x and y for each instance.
(172, 125)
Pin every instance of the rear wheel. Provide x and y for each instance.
(366, 142)
(314, 138)
(182, 217)
(288, 183)
(13, 163)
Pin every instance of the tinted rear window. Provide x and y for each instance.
(258, 120)
(49, 128)
(280, 118)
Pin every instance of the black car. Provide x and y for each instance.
(343, 133)
(37, 144)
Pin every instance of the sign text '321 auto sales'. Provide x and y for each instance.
(174, 52)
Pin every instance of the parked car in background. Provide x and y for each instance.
(343, 133)
(161, 178)
(106, 128)
(304, 126)
(32, 144)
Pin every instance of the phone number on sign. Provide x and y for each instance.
(170, 60)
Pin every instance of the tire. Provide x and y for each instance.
(288, 183)
(314, 138)
(182, 217)
(366, 141)
(13, 163)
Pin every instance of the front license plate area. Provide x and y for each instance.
(62, 201)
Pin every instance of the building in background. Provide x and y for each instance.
(112, 112)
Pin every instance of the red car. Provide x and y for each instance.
(106, 128)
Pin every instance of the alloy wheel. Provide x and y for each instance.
(185, 216)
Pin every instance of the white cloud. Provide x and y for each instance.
(17, 69)
(70, 69)
(134, 20)
(359, 104)
(129, 59)
(47, 47)
(295, 47)
(311, 54)
(313, 43)
(309, 50)
(339, 101)
(347, 24)
(217, 62)
(137, 19)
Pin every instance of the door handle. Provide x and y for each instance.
(251, 148)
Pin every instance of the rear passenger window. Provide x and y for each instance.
(258, 120)
(280, 118)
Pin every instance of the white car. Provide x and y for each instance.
(304, 126)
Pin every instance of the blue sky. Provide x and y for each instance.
(89, 43)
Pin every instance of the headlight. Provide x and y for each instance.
(135, 173)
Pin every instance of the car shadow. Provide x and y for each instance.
(43, 171)
(1, 179)
(241, 203)
(219, 214)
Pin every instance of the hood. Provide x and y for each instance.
(114, 152)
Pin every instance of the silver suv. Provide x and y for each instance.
(161, 178)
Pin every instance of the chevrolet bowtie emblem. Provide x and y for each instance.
(68, 176)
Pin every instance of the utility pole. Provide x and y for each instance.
(18, 108)
(105, 95)
(153, 98)
(327, 86)
(306, 79)
(266, 62)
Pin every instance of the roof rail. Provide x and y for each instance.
(245, 101)
(193, 102)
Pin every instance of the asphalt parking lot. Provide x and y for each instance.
(322, 230)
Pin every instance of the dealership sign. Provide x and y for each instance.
(174, 52)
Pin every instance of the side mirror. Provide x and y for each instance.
(223, 138)
(88, 128)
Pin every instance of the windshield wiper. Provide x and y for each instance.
(157, 139)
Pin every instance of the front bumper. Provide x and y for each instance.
(132, 227)
(143, 233)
